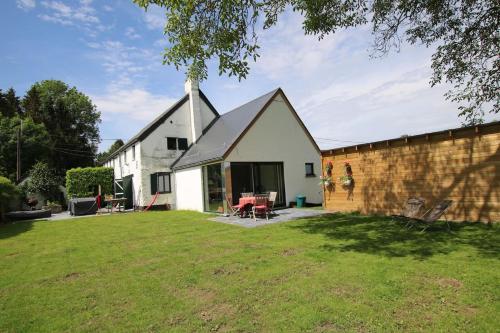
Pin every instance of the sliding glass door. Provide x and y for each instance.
(258, 177)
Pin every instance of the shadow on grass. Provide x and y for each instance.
(12, 229)
(383, 236)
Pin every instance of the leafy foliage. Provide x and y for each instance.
(466, 34)
(70, 118)
(10, 103)
(83, 182)
(101, 157)
(34, 144)
(43, 180)
(8, 192)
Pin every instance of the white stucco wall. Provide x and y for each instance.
(278, 137)
(189, 191)
(129, 166)
(153, 156)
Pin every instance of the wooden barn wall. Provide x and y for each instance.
(463, 167)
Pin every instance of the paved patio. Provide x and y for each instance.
(282, 215)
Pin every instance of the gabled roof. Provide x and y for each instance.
(158, 121)
(227, 130)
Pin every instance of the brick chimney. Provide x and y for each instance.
(192, 88)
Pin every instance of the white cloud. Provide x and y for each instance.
(26, 4)
(134, 104)
(155, 18)
(82, 15)
(131, 33)
(107, 8)
(125, 65)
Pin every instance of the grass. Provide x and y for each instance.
(176, 271)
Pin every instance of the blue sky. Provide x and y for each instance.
(111, 50)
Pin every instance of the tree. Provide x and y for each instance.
(102, 157)
(8, 192)
(35, 144)
(71, 119)
(44, 180)
(10, 104)
(466, 34)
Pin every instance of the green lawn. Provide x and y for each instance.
(176, 271)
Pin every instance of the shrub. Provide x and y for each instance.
(43, 180)
(8, 193)
(83, 182)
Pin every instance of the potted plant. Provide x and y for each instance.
(347, 179)
(325, 181)
(328, 168)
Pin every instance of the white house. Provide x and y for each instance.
(194, 158)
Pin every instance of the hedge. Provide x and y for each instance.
(84, 182)
(8, 193)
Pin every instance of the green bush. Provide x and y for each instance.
(44, 180)
(83, 182)
(8, 193)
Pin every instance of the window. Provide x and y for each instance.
(160, 182)
(182, 143)
(172, 143)
(133, 153)
(309, 169)
(125, 156)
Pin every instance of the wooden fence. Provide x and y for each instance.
(461, 164)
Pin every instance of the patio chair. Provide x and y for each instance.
(109, 203)
(246, 194)
(260, 206)
(235, 209)
(270, 202)
(433, 214)
(412, 209)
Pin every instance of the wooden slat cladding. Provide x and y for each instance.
(463, 166)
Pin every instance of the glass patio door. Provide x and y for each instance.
(258, 177)
(213, 191)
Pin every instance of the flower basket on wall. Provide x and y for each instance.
(347, 179)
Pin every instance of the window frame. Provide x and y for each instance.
(309, 174)
(171, 140)
(163, 175)
(179, 144)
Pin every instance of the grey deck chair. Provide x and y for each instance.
(433, 214)
(413, 209)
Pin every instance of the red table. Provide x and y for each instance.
(246, 203)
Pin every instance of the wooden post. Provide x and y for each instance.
(18, 169)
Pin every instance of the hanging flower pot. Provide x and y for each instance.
(347, 179)
(328, 168)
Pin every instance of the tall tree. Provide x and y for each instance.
(10, 103)
(71, 119)
(35, 144)
(466, 34)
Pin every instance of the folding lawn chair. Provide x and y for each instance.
(433, 214)
(235, 209)
(412, 210)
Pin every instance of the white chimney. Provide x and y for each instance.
(192, 88)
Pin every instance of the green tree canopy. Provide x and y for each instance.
(10, 103)
(35, 143)
(466, 34)
(71, 119)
